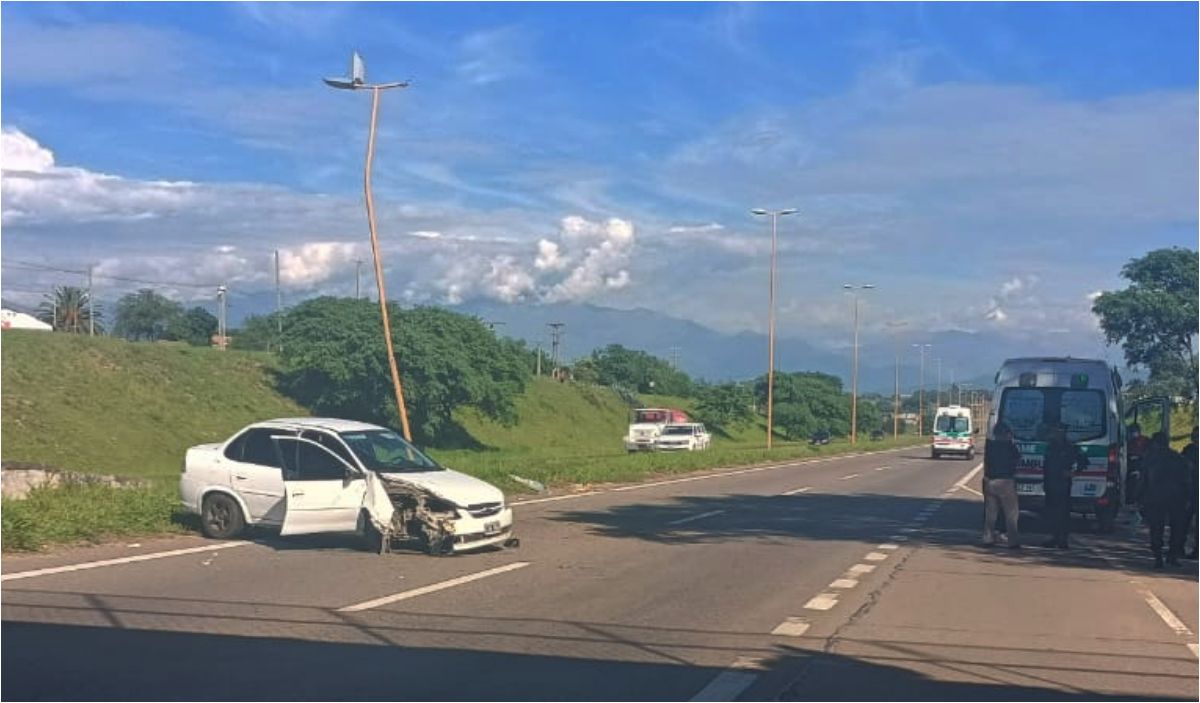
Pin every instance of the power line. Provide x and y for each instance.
(124, 279)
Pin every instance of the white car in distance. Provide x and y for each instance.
(323, 475)
(683, 437)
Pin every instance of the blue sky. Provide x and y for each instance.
(987, 166)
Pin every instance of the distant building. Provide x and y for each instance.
(12, 320)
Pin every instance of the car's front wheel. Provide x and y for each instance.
(221, 517)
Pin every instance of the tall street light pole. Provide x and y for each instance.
(921, 404)
(854, 369)
(357, 81)
(775, 215)
(939, 385)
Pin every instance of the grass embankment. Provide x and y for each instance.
(570, 435)
(99, 405)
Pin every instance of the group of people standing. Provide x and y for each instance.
(1165, 490)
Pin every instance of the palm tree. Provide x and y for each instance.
(68, 310)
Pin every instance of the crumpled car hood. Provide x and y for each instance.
(456, 487)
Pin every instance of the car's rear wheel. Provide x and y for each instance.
(934, 455)
(221, 517)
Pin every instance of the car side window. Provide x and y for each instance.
(259, 449)
(331, 443)
(304, 461)
(234, 449)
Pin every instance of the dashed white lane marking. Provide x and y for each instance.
(888, 546)
(1165, 613)
(121, 560)
(727, 686)
(822, 601)
(792, 627)
(908, 529)
(794, 491)
(432, 588)
(861, 569)
(1195, 648)
(701, 516)
(843, 583)
(705, 477)
(920, 518)
(875, 556)
(899, 538)
(882, 468)
(847, 478)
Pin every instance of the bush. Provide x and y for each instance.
(86, 512)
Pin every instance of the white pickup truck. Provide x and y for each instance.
(314, 475)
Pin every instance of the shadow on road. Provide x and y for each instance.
(863, 517)
(72, 662)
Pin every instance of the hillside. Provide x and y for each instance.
(110, 406)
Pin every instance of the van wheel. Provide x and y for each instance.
(221, 517)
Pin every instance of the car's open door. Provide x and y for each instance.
(1151, 414)
(322, 493)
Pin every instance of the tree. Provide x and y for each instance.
(258, 333)
(196, 327)
(806, 402)
(67, 309)
(725, 406)
(335, 362)
(1155, 318)
(145, 315)
(616, 365)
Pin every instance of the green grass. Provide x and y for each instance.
(87, 513)
(101, 405)
(570, 435)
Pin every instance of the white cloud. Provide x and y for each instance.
(549, 258)
(316, 262)
(34, 188)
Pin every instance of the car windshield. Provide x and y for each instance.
(387, 452)
(650, 416)
(1031, 412)
(677, 430)
(952, 423)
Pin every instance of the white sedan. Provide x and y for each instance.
(683, 437)
(320, 475)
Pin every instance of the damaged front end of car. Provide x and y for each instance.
(401, 513)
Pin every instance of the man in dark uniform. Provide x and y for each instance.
(1190, 454)
(1164, 495)
(1062, 459)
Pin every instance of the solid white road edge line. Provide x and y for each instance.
(120, 560)
(432, 588)
(962, 482)
(847, 478)
(1165, 613)
(706, 477)
(701, 516)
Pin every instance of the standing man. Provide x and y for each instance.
(1000, 460)
(1062, 459)
(1164, 488)
(1190, 455)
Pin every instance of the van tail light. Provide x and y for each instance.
(1114, 462)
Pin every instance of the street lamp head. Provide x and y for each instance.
(788, 211)
(867, 285)
(847, 286)
(758, 211)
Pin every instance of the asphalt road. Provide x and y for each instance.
(846, 578)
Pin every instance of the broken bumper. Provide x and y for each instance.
(471, 533)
